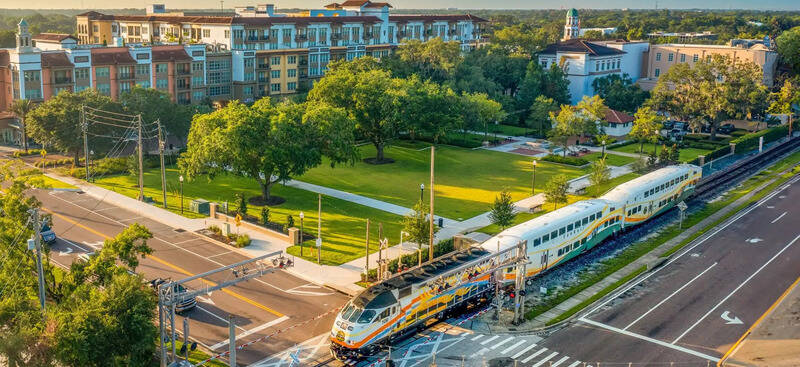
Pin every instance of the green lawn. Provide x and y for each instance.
(686, 154)
(611, 158)
(343, 223)
(508, 130)
(467, 181)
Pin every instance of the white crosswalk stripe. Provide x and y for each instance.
(504, 351)
(490, 339)
(532, 356)
(510, 338)
(560, 361)
(523, 351)
(545, 359)
(574, 364)
(477, 337)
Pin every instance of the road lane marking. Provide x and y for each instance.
(524, 351)
(574, 364)
(731, 220)
(545, 359)
(778, 218)
(730, 320)
(74, 244)
(510, 338)
(560, 361)
(175, 267)
(654, 341)
(512, 347)
(199, 237)
(532, 356)
(737, 288)
(477, 337)
(442, 349)
(217, 317)
(490, 340)
(778, 301)
(219, 254)
(250, 332)
(670, 296)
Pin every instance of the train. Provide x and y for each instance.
(408, 301)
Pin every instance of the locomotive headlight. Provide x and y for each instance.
(349, 328)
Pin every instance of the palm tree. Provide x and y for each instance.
(21, 108)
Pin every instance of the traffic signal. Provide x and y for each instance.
(511, 294)
(522, 292)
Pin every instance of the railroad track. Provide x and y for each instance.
(724, 178)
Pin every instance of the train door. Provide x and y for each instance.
(545, 256)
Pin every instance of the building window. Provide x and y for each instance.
(275, 74)
(161, 68)
(658, 56)
(197, 66)
(197, 81)
(101, 72)
(143, 70)
(162, 84)
(104, 88)
(33, 94)
(31, 76)
(79, 88)
(275, 60)
(219, 90)
(275, 87)
(695, 57)
(143, 83)
(227, 34)
(124, 72)
(291, 73)
(670, 57)
(291, 86)
(657, 72)
(206, 33)
(248, 90)
(291, 60)
(683, 57)
(124, 87)
(249, 63)
(94, 28)
(198, 95)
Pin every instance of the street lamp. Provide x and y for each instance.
(603, 155)
(533, 180)
(180, 179)
(421, 191)
(301, 233)
(89, 163)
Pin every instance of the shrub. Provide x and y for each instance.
(21, 153)
(620, 144)
(572, 161)
(241, 204)
(265, 215)
(242, 241)
(215, 229)
(289, 221)
(750, 141)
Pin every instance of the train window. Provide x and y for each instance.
(420, 314)
(354, 316)
(537, 242)
(583, 240)
(591, 218)
(646, 194)
(385, 313)
(570, 227)
(405, 292)
(553, 234)
(585, 221)
(577, 224)
(576, 244)
(599, 215)
(561, 231)
(545, 238)
(508, 270)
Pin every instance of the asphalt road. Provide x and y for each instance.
(693, 309)
(261, 306)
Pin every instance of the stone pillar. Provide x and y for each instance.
(212, 210)
(294, 236)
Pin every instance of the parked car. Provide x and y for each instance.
(726, 129)
(668, 124)
(186, 305)
(679, 126)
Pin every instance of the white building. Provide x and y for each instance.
(582, 62)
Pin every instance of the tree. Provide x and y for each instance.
(788, 46)
(646, 126)
(564, 126)
(523, 39)
(591, 110)
(369, 99)
(432, 60)
(241, 204)
(153, 105)
(56, 122)
(539, 117)
(502, 211)
(783, 100)
(599, 172)
(593, 35)
(21, 108)
(268, 143)
(663, 155)
(427, 107)
(479, 111)
(555, 191)
(620, 93)
(557, 85)
(674, 154)
(417, 226)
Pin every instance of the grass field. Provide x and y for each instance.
(686, 154)
(611, 158)
(343, 223)
(467, 181)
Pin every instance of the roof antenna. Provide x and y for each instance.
(221, 5)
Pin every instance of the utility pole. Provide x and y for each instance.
(161, 157)
(141, 163)
(319, 229)
(186, 339)
(37, 242)
(366, 250)
(232, 340)
(498, 278)
(519, 306)
(430, 240)
(85, 128)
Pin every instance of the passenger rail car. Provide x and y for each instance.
(404, 303)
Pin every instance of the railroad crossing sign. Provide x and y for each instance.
(238, 220)
(43, 153)
(295, 358)
(682, 206)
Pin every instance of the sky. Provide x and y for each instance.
(422, 4)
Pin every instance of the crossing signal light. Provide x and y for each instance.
(511, 295)
(522, 292)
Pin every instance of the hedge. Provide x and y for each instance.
(572, 161)
(21, 153)
(620, 144)
(750, 141)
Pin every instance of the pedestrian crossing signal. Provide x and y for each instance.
(511, 295)
(522, 292)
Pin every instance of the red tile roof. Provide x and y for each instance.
(444, 17)
(57, 37)
(617, 117)
(55, 59)
(170, 53)
(378, 5)
(354, 2)
(111, 55)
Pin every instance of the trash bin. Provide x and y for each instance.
(199, 206)
(441, 222)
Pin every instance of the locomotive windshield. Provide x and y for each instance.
(352, 313)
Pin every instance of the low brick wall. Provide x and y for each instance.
(254, 227)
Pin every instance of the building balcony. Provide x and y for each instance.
(62, 81)
(124, 76)
(183, 71)
(262, 66)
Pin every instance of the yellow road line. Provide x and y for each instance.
(170, 265)
(752, 327)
